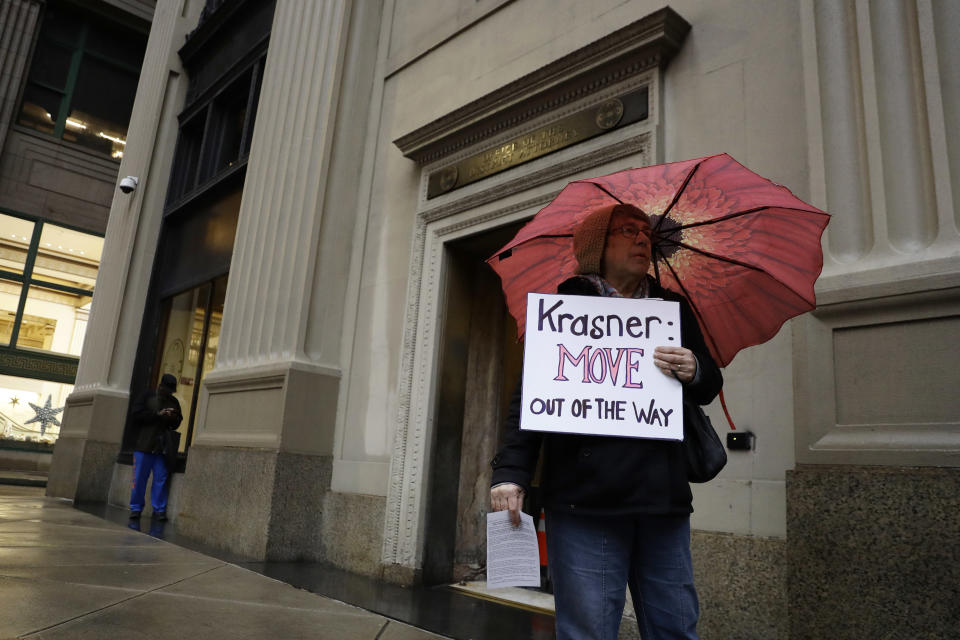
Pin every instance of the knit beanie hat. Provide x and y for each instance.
(168, 381)
(590, 238)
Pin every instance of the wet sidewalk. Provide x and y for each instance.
(82, 573)
(65, 573)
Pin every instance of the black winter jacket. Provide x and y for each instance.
(150, 424)
(607, 475)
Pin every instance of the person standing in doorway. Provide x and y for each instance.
(617, 509)
(154, 413)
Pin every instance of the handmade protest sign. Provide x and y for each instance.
(588, 367)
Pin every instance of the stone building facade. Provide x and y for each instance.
(352, 350)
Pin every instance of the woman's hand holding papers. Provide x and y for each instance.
(508, 496)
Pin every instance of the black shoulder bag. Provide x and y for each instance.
(702, 448)
(169, 447)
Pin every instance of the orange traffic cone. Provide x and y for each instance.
(545, 584)
(542, 538)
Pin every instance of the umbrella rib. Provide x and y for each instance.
(677, 195)
(709, 255)
(730, 261)
(693, 307)
(604, 189)
(745, 213)
(538, 237)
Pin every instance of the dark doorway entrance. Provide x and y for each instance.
(480, 363)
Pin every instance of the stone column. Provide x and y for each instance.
(18, 24)
(83, 461)
(871, 504)
(268, 407)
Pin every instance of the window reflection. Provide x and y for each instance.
(216, 320)
(54, 320)
(57, 272)
(181, 345)
(83, 79)
(47, 276)
(9, 300)
(31, 410)
(188, 349)
(68, 257)
(15, 237)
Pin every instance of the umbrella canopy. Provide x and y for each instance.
(744, 251)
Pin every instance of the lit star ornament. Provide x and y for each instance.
(45, 415)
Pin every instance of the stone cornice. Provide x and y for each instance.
(647, 43)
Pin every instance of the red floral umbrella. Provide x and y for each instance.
(744, 251)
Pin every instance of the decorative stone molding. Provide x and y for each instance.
(877, 377)
(625, 61)
(639, 46)
(14, 362)
(264, 406)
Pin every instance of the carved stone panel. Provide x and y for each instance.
(876, 380)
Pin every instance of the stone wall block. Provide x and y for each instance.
(296, 521)
(227, 501)
(873, 552)
(742, 585)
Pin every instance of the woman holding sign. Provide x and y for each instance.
(618, 509)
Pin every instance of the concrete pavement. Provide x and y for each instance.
(69, 574)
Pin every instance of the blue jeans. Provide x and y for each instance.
(594, 559)
(143, 464)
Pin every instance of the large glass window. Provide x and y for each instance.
(47, 273)
(83, 78)
(215, 136)
(31, 410)
(9, 303)
(188, 347)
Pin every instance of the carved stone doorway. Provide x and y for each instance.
(480, 364)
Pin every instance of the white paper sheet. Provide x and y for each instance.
(513, 557)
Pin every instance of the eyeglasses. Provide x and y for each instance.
(633, 232)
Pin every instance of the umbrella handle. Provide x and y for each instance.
(723, 403)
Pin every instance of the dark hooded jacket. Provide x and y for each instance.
(148, 422)
(608, 475)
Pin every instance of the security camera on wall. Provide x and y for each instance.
(129, 184)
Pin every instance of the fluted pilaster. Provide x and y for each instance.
(844, 141)
(904, 132)
(267, 305)
(887, 109)
(18, 23)
(134, 222)
(944, 17)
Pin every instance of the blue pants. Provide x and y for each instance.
(143, 464)
(593, 560)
